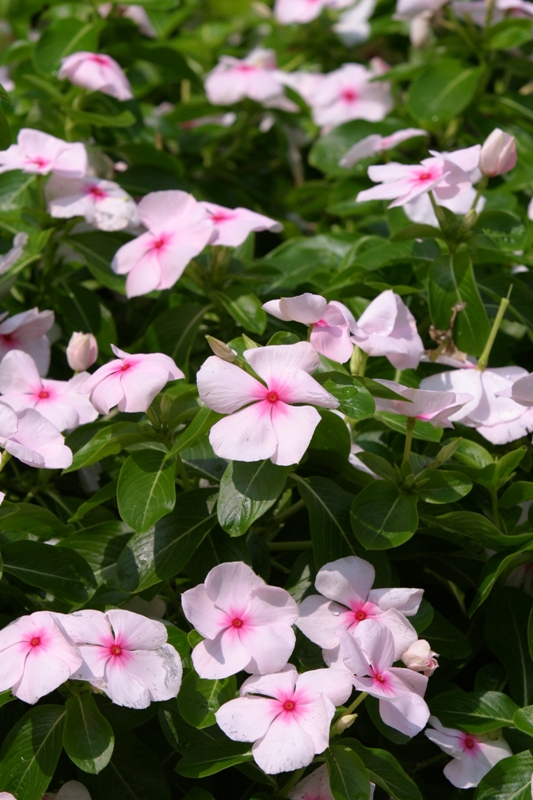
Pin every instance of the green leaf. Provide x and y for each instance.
(354, 400)
(442, 90)
(87, 737)
(163, 551)
(422, 430)
(123, 120)
(383, 516)
(64, 574)
(331, 433)
(5, 96)
(100, 545)
(497, 565)
(507, 34)
(380, 466)
(329, 149)
(418, 231)
(247, 491)
(328, 507)
(97, 250)
(30, 752)
(200, 699)
(519, 492)
(103, 495)
(36, 520)
(108, 442)
(523, 720)
(174, 332)
(479, 528)
(385, 771)
(471, 454)
(510, 779)
(60, 39)
(474, 712)
(200, 425)
(446, 639)
(348, 778)
(451, 280)
(203, 761)
(146, 489)
(443, 486)
(5, 131)
(506, 634)
(245, 308)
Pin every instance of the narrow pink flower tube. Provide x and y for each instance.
(498, 154)
(96, 72)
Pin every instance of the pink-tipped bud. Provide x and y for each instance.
(498, 154)
(420, 658)
(82, 351)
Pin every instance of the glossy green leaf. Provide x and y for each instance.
(474, 712)
(123, 120)
(442, 90)
(61, 38)
(174, 332)
(523, 720)
(328, 507)
(200, 425)
(497, 565)
(100, 545)
(519, 492)
(383, 516)
(146, 489)
(203, 761)
(442, 486)
(507, 34)
(348, 778)
(422, 430)
(87, 736)
(107, 442)
(5, 131)
(506, 629)
(385, 771)
(354, 400)
(199, 699)
(510, 779)
(247, 491)
(245, 308)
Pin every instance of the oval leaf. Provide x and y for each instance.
(146, 489)
(88, 737)
(382, 516)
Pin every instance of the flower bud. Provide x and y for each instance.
(420, 29)
(342, 724)
(82, 351)
(498, 154)
(221, 349)
(420, 658)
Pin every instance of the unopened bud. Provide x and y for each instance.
(498, 154)
(420, 658)
(249, 343)
(419, 29)
(344, 722)
(221, 349)
(470, 219)
(82, 351)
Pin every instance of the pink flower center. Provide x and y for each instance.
(237, 623)
(96, 59)
(125, 366)
(360, 615)
(272, 397)
(289, 705)
(39, 161)
(379, 678)
(96, 192)
(426, 174)
(322, 323)
(115, 650)
(43, 394)
(35, 641)
(159, 243)
(221, 216)
(469, 743)
(349, 95)
(245, 68)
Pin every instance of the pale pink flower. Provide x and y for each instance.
(521, 391)
(408, 9)
(178, 229)
(96, 72)
(330, 322)
(255, 76)
(36, 656)
(270, 426)
(370, 656)
(137, 14)
(289, 11)
(233, 225)
(347, 94)
(58, 401)
(7, 82)
(353, 25)
(346, 599)
(39, 153)
(9, 796)
(71, 790)
(303, 83)
(130, 381)
(316, 786)
(32, 439)
(473, 754)
(82, 351)
(421, 658)
(429, 406)
(247, 624)
(497, 418)
(27, 331)
(498, 154)
(10, 258)
(126, 655)
(103, 204)
(387, 328)
(373, 144)
(286, 715)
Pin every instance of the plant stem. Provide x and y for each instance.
(183, 474)
(293, 780)
(289, 545)
(4, 459)
(358, 362)
(359, 699)
(288, 512)
(484, 358)
(495, 509)
(411, 421)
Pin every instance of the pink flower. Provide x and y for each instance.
(473, 754)
(498, 418)
(247, 624)
(71, 790)
(347, 94)
(96, 72)
(286, 715)
(10, 258)
(316, 786)
(36, 656)
(130, 382)
(255, 76)
(137, 14)
(408, 9)
(103, 204)
(330, 322)
(27, 332)
(370, 656)
(32, 439)
(40, 153)
(82, 351)
(521, 391)
(498, 154)
(125, 655)
(346, 599)
(289, 11)
(178, 229)
(270, 426)
(420, 657)
(373, 144)
(429, 406)
(8, 796)
(57, 401)
(387, 328)
(353, 25)
(233, 225)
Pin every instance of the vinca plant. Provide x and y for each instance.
(266, 409)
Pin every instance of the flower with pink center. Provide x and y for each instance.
(255, 77)
(473, 754)
(103, 204)
(126, 655)
(40, 153)
(347, 93)
(330, 322)
(178, 229)
(262, 421)
(233, 225)
(96, 72)
(387, 328)
(27, 332)
(421, 658)
(429, 406)
(370, 655)
(36, 656)
(57, 401)
(347, 599)
(247, 625)
(32, 439)
(286, 715)
(374, 144)
(130, 382)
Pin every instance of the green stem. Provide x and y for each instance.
(293, 780)
(411, 421)
(358, 362)
(484, 358)
(480, 189)
(283, 515)
(183, 474)
(289, 545)
(495, 509)
(4, 459)
(359, 699)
